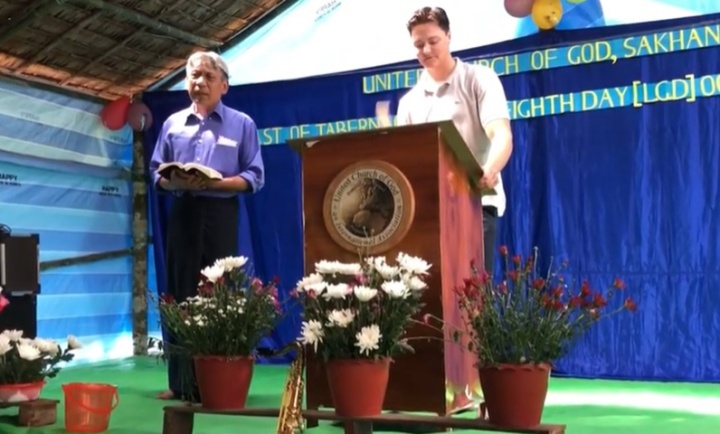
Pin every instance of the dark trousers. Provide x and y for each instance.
(490, 216)
(200, 230)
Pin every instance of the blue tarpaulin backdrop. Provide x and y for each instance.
(625, 191)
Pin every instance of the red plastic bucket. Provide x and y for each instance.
(88, 406)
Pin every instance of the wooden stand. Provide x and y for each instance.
(446, 231)
(41, 412)
(179, 419)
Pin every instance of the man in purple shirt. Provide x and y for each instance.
(203, 222)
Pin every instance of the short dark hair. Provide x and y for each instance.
(426, 15)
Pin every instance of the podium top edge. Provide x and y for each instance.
(306, 142)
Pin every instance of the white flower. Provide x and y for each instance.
(73, 343)
(213, 273)
(338, 291)
(363, 293)
(340, 318)
(335, 267)
(412, 264)
(415, 283)
(13, 335)
(376, 261)
(231, 262)
(309, 280)
(395, 289)
(4, 344)
(387, 272)
(316, 288)
(28, 352)
(47, 346)
(312, 333)
(368, 339)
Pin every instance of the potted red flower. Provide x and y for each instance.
(520, 326)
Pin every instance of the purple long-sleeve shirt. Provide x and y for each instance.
(226, 140)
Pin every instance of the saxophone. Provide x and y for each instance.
(290, 419)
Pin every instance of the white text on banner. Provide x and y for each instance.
(636, 94)
(691, 38)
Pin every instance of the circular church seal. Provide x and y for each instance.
(369, 206)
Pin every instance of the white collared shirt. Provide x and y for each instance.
(471, 97)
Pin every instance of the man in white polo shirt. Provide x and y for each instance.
(473, 97)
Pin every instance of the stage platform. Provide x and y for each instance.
(585, 406)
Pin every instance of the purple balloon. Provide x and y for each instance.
(519, 8)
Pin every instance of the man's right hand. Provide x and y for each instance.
(182, 181)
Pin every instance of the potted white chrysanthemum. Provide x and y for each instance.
(355, 317)
(25, 364)
(221, 327)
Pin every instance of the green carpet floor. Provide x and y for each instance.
(585, 406)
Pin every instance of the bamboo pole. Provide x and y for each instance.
(139, 249)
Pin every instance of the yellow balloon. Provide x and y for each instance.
(546, 14)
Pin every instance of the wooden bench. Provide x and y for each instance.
(179, 419)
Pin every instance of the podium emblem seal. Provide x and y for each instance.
(369, 206)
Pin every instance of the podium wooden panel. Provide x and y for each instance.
(446, 231)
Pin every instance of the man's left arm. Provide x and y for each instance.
(495, 120)
(251, 178)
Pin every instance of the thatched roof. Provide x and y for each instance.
(109, 48)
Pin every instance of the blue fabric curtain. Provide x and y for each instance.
(627, 192)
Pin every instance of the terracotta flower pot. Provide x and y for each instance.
(515, 394)
(223, 382)
(358, 386)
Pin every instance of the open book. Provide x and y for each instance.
(197, 169)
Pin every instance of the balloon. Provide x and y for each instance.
(546, 14)
(139, 116)
(115, 114)
(518, 8)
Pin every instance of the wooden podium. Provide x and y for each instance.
(438, 219)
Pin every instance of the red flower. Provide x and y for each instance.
(575, 302)
(360, 279)
(166, 298)
(538, 283)
(585, 289)
(619, 284)
(206, 289)
(547, 301)
(275, 280)
(503, 250)
(599, 301)
(517, 259)
(512, 275)
(630, 304)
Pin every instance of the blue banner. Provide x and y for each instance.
(614, 168)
